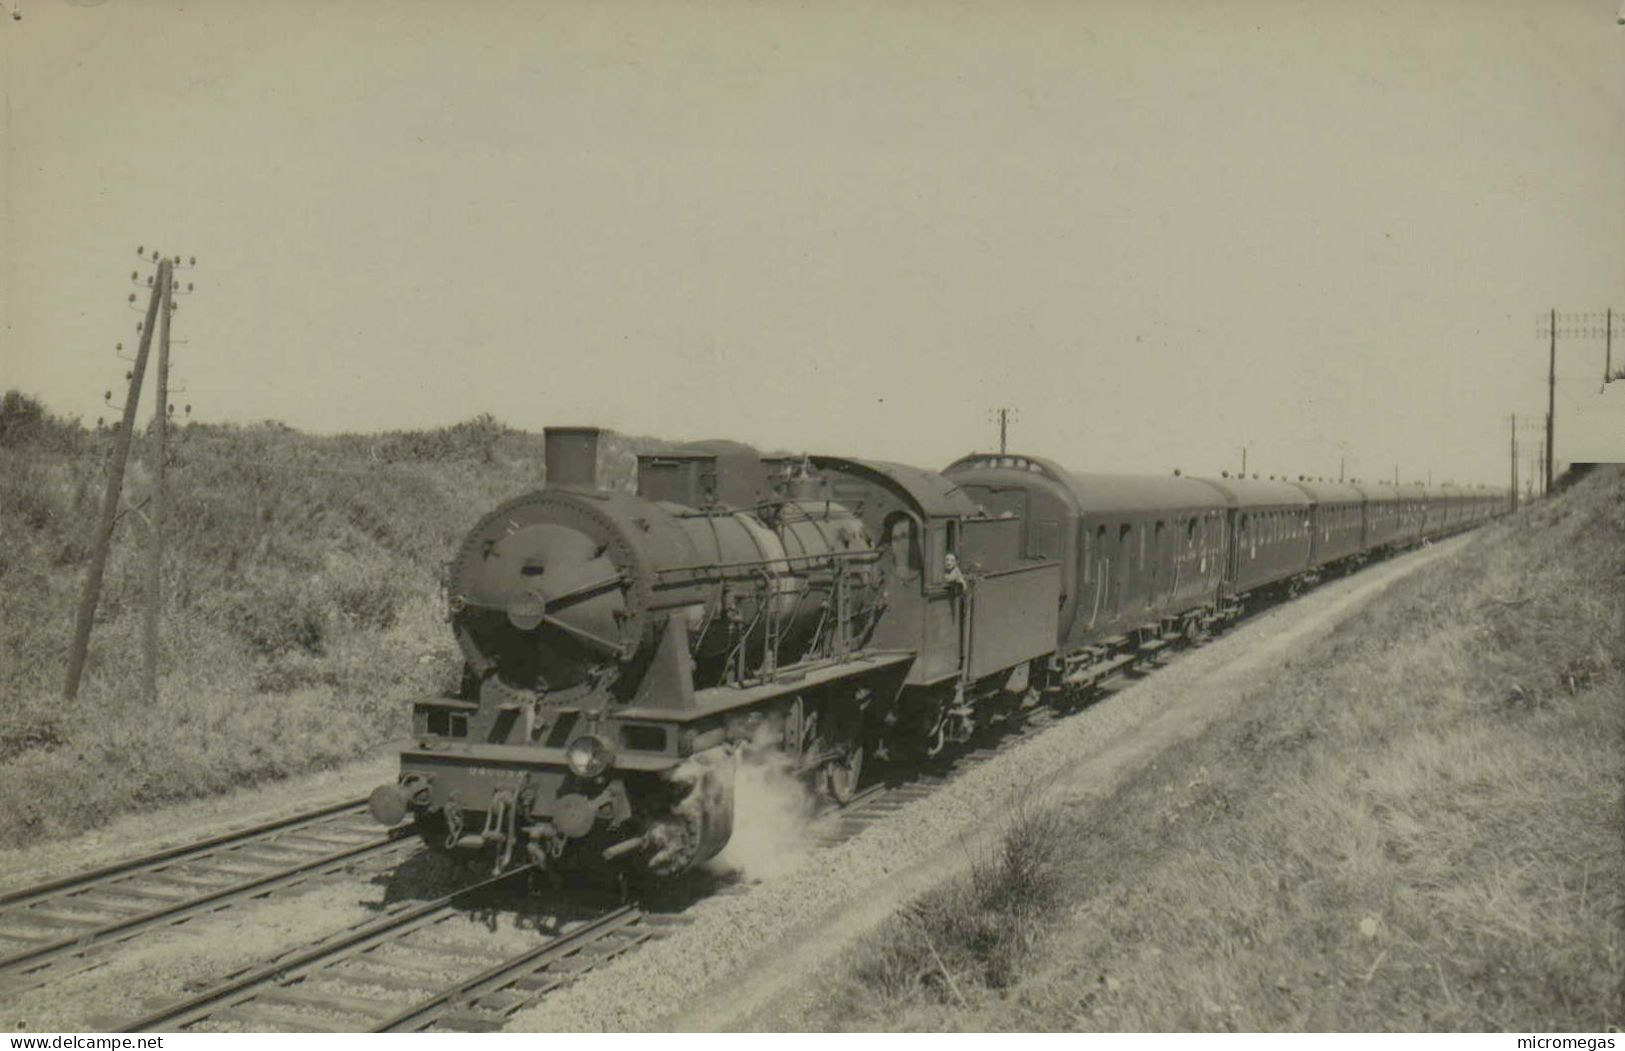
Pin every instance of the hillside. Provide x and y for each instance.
(302, 603)
(1414, 824)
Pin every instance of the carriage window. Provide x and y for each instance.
(940, 542)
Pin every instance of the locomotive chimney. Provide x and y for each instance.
(572, 456)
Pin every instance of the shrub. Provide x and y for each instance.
(26, 423)
(278, 620)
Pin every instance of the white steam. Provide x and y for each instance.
(773, 810)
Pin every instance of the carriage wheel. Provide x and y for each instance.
(841, 732)
(842, 774)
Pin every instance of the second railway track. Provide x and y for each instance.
(410, 970)
(49, 929)
(407, 972)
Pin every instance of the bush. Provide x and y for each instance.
(26, 423)
(474, 440)
(278, 620)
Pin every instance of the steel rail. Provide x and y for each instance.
(120, 929)
(84, 880)
(165, 869)
(456, 996)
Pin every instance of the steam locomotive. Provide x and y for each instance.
(622, 652)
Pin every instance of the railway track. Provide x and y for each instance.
(404, 971)
(410, 971)
(55, 928)
(425, 966)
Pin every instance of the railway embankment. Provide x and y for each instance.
(1413, 823)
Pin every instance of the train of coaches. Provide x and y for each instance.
(625, 651)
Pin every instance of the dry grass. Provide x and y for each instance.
(302, 611)
(1416, 826)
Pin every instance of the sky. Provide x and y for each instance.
(1160, 232)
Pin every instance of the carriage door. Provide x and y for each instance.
(1239, 539)
(1097, 571)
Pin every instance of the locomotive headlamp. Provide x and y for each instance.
(588, 756)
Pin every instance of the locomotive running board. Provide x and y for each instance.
(719, 699)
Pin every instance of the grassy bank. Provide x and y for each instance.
(1417, 825)
(301, 603)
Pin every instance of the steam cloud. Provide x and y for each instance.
(772, 811)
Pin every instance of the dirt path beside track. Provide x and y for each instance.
(746, 959)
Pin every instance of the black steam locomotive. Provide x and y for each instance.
(623, 651)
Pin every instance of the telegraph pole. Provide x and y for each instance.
(164, 289)
(1608, 351)
(104, 528)
(1514, 461)
(1585, 325)
(1551, 403)
(1005, 416)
